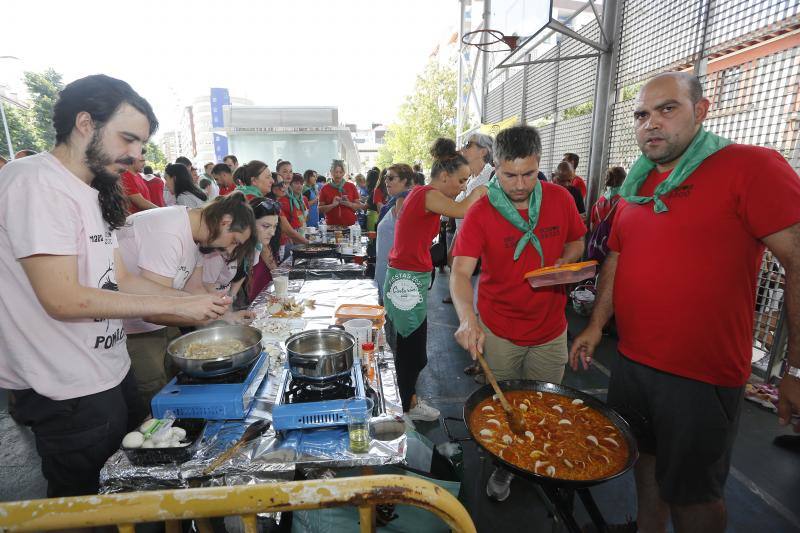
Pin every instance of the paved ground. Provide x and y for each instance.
(763, 491)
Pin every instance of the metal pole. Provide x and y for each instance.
(604, 88)
(487, 12)
(5, 128)
(460, 88)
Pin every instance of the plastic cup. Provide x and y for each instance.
(361, 329)
(280, 280)
(358, 412)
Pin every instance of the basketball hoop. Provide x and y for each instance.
(490, 40)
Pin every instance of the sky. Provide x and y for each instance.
(362, 56)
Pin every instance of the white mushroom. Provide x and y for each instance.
(612, 441)
(593, 440)
(539, 464)
(539, 395)
(494, 421)
(568, 463)
(487, 408)
(551, 471)
(558, 408)
(577, 401)
(523, 407)
(529, 434)
(134, 439)
(486, 433)
(564, 422)
(508, 439)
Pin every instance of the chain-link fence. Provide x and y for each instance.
(747, 54)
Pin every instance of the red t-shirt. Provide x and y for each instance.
(378, 197)
(508, 305)
(340, 215)
(579, 184)
(156, 189)
(684, 290)
(132, 183)
(225, 190)
(414, 231)
(291, 213)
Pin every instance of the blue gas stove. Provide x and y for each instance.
(226, 397)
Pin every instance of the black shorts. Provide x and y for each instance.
(687, 424)
(75, 437)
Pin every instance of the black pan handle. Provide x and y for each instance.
(217, 365)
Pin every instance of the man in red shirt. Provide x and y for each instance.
(577, 181)
(222, 173)
(339, 200)
(155, 186)
(521, 224)
(697, 212)
(135, 187)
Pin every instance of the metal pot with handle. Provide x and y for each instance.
(320, 354)
(206, 368)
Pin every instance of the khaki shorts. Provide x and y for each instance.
(507, 360)
(148, 352)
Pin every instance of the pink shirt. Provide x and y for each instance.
(45, 209)
(219, 272)
(159, 241)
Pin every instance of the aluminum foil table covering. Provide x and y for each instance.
(326, 268)
(273, 458)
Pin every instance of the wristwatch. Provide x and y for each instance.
(793, 371)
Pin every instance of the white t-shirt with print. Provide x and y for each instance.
(45, 209)
(219, 272)
(159, 241)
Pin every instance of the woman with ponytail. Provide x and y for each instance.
(409, 274)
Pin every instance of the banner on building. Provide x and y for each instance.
(495, 127)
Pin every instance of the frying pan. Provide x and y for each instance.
(542, 386)
(313, 251)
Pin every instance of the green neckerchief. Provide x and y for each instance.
(339, 187)
(610, 192)
(250, 189)
(501, 202)
(296, 203)
(703, 145)
(307, 188)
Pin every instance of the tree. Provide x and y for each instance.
(425, 115)
(43, 88)
(21, 129)
(155, 157)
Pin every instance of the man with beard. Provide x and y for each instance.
(135, 186)
(521, 224)
(62, 284)
(164, 246)
(698, 210)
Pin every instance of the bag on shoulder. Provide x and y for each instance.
(597, 249)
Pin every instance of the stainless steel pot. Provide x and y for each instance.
(320, 354)
(205, 368)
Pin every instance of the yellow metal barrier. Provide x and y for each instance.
(170, 506)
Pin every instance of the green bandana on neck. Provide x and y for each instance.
(339, 187)
(703, 145)
(501, 202)
(250, 189)
(295, 203)
(307, 188)
(610, 192)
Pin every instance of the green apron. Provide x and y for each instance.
(406, 299)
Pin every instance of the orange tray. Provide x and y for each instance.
(569, 273)
(376, 313)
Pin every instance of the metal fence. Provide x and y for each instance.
(747, 54)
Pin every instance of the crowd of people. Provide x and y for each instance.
(98, 275)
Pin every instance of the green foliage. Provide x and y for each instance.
(575, 111)
(155, 157)
(21, 129)
(631, 91)
(43, 88)
(427, 114)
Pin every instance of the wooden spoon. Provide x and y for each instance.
(515, 420)
(253, 430)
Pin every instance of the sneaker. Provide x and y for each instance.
(498, 488)
(424, 412)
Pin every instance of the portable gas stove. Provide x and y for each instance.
(226, 397)
(305, 404)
